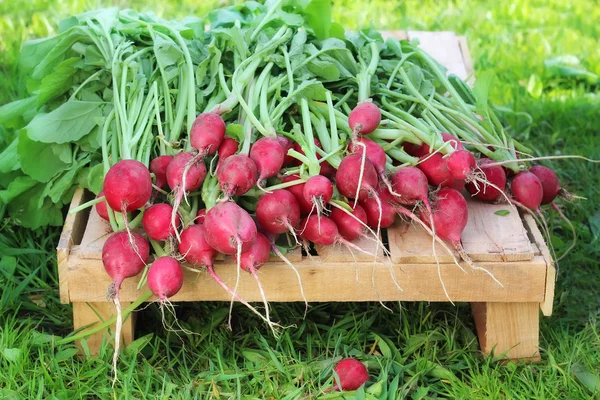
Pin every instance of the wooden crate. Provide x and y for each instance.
(510, 247)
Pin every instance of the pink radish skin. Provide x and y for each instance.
(411, 185)
(200, 215)
(207, 133)
(348, 226)
(101, 208)
(229, 225)
(388, 210)
(298, 192)
(461, 164)
(157, 222)
(194, 177)
(420, 151)
(237, 175)
(278, 212)
(449, 215)
(527, 190)
(158, 167)
(375, 153)
(165, 278)
(227, 148)
(121, 260)
(495, 175)
(286, 145)
(352, 374)
(347, 177)
(364, 118)
(256, 255)
(550, 183)
(318, 189)
(268, 156)
(127, 186)
(194, 247)
(319, 230)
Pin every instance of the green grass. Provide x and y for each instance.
(423, 350)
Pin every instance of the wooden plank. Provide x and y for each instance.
(97, 232)
(508, 329)
(71, 235)
(523, 282)
(491, 237)
(90, 313)
(400, 35)
(444, 47)
(487, 237)
(547, 305)
(468, 61)
(341, 252)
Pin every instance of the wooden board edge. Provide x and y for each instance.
(466, 54)
(74, 224)
(547, 305)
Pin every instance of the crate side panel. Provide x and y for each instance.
(523, 282)
(444, 47)
(96, 233)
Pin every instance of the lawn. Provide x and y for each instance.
(419, 350)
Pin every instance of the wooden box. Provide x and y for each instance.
(508, 246)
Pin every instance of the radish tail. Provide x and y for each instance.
(118, 328)
(568, 221)
(367, 227)
(271, 324)
(290, 228)
(179, 191)
(237, 279)
(363, 160)
(279, 254)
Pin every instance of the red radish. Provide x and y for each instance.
(461, 163)
(351, 374)
(101, 208)
(364, 118)
(200, 215)
(318, 191)
(237, 175)
(419, 151)
(257, 254)
(268, 156)
(286, 144)
(124, 255)
(158, 167)
(127, 186)
(494, 175)
(375, 153)
(351, 225)
(227, 148)
(157, 222)
(410, 185)
(298, 192)
(207, 133)
(165, 278)
(319, 230)
(348, 180)
(278, 212)
(527, 189)
(380, 210)
(550, 183)
(231, 228)
(327, 170)
(435, 167)
(449, 215)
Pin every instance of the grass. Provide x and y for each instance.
(420, 351)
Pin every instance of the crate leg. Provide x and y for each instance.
(509, 330)
(88, 313)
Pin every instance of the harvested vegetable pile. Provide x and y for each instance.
(270, 129)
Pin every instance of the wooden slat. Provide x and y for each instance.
(400, 35)
(341, 252)
(96, 233)
(468, 61)
(547, 305)
(71, 235)
(444, 47)
(523, 282)
(487, 237)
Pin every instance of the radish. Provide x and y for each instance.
(231, 228)
(196, 250)
(157, 222)
(350, 225)
(318, 191)
(375, 153)
(278, 212)
(410, 186)
(527, 189)
(286, 144)
(379, 210)
(101, 208)
(165, 278)
(227, 148)
(207, 133)
(419, 151)
(268, 156)
(364, 118)
(127, 186)
(550, 183)
(237, 175)
(351, 374)
(200, 215)
(435, 167)
(158, 167)
(350, 183)
(461, 164)
(493, 184)
(124, 255)
(298, 192)
(184, 174)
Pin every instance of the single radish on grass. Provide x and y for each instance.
(124, 255)
(227, 148)
(318, 191)
(157, 222)
(268, 156)
(278, 212)
(207, 133)
(237, 175)
(298, 192)
(158, 167)
(351, 374)
(492, 185)
(127, 186)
